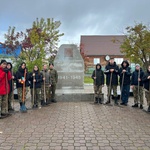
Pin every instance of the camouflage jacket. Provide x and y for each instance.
(54, 76)
(46, 75)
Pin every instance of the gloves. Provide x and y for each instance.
(5, 70)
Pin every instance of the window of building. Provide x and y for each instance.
(118, 60)
(96, 60)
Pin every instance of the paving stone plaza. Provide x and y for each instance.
(77, 125)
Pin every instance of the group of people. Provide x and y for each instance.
(137, 80)
(42, 86)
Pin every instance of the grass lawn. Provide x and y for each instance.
(88, 79)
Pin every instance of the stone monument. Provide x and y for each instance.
(70, 67)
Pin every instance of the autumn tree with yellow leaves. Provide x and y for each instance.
(38, 42)
(136, 44)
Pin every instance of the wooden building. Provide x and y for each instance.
(99, 48)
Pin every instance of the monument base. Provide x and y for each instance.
(85, 94)
(81, 94)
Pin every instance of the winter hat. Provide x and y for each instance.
(137, 65)
(3, 61)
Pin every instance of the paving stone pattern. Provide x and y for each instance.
(76, 126)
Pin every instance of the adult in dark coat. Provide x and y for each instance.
(137, 86)
(125, 75)
(98, 80)
(20, 80)
(36, 79)
(112, 72)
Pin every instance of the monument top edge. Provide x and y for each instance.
(62, 45)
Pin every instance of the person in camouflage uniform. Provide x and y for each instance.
(45, 97)
(10, 95)
(146, 81)
(36, 79)
(5, 77)
(54, 79)
(20, 80)
(137, 89)
(98, 80)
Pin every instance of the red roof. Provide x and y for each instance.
(101, 45)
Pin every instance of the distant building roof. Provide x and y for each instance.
(101, 44)
(3, 51)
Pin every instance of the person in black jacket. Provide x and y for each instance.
(146, 81)
(137, 86)
(10, 95)
(112, 70)
(22, 77)
(36, 79)
(98, 78)
(125, 81)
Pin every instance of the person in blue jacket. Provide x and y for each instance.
(125, 81)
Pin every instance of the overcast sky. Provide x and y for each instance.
(78, 17)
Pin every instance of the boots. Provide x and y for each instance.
(45, 104)
(48, 101)
(10, 109)
(23, 107)
(122, 103)
(116, 101)
(135, 105)
(42, 102)
(108, 102)
(2, 116)
(96, 100)
(141, 106)
(100, 101)
(148, 109)
(34, 106)
(102, 98)
(53, 101)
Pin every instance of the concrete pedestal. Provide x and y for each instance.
(85, 94)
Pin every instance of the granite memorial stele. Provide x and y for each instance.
(70, 67)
